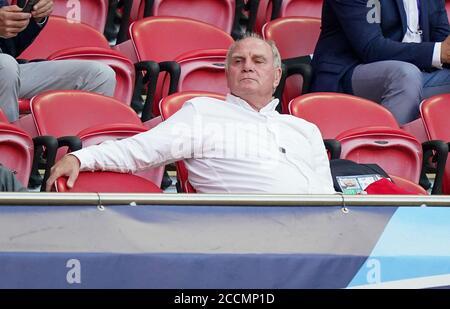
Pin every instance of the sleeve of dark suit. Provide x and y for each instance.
(15, 46)
(439, 26)
(367, 39)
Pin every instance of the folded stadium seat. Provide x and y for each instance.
(295, 38)
(107, 182)
(368, 133)
(92, 12)
(434, 112)
(122, 66)
(201, 70)
(17, 150)
(92, 117)
(217, 13)
(162, 39)
(170, 105)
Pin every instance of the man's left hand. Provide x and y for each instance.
(42, 9)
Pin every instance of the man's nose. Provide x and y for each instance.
(248, 66)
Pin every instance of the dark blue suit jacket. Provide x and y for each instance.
(348, 39)
(15, 46)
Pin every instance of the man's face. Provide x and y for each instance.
(250, 70)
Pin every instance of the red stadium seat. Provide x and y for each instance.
(335, 113)
(434, 112)
(169, 106)
(108, 182)
(270, 10)
(17, 150)
(310, 8)
(92, 117)
(294, 37)
(202, 70)
(122, 66)
(172, 37)
(367, 131)
(217, 13)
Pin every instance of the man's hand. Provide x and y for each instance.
(67, 166)
(12, 21)
(42, 9)
(445, 50)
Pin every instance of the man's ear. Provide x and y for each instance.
(277, 78)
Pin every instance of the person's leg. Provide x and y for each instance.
(93, 76)
(9, 86)
(396, 85)
(436, 82)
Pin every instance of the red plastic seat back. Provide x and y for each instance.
(61, 113)
(434, 112)
(122, 66)
(213, 12)
(169, 106)
(397, 152)
(335, 113)
(310, 8)
(294, 37)
(201, 70)
(60, 34)
(165, 38)
(108, 182)
(16, 151)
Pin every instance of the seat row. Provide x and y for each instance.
(372, 137)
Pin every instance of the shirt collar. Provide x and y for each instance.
(270, 107)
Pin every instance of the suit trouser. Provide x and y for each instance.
(399, 86)
(27, 80)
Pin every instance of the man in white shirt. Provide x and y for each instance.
(388, 51)
(242, 145)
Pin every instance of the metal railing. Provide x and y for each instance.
(111, 199)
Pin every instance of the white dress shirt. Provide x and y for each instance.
(414, 33)
(227, 147)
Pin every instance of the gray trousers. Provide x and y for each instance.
(399, 86)
(9, 182)
(27, 80)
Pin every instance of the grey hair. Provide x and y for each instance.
(275, 52)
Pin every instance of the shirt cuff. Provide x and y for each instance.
(437, 56)
(83, 157)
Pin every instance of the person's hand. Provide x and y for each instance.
(42, 9)
(67, 166)
(445, 50)
(12, 21)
